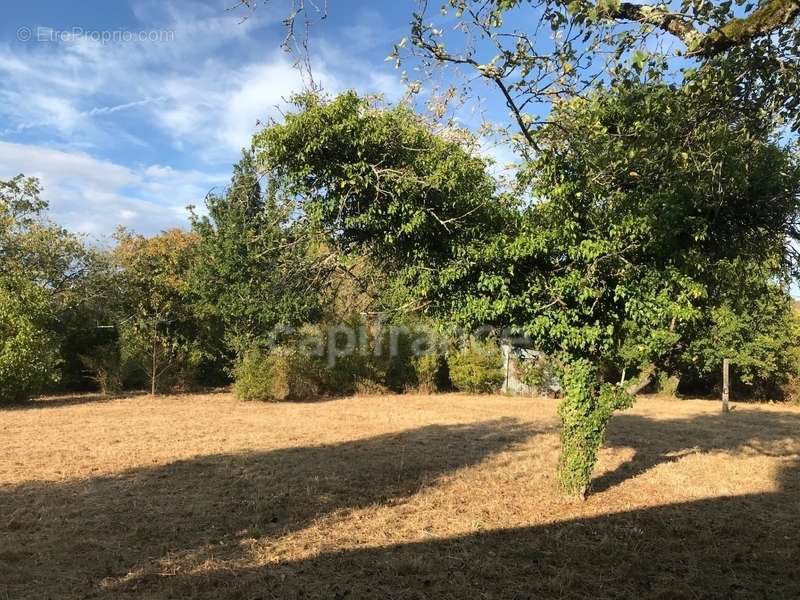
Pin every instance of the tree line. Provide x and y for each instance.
(663, 269)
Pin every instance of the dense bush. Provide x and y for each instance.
(537, 374)
(477, 367)
(666, 384)
(354, 373)
(380, 360)
(432, 374)
(281, 374)
(28, 354)
(356, 358)
(760, 337)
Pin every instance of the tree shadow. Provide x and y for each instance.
(737, 547)
(62, 540)
(70, 536)
(657, 442)
(60, 401)
(726, 548)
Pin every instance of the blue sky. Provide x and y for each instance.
(130, 132)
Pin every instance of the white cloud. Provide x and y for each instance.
(93, 196)
(216, 109)
(204, 79)
(159, 171)
(193, 98)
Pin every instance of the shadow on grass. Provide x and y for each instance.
(727, 548)
(62, 539)
(59, 401)
(68, 537)
(662, 441)
(738, 547)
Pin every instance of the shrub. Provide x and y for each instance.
(350, 374)
(537, 374)
(28, 354)
(432, 374)
(396, 366)
(400, 373)
(477, 368)
(105, 368)
(381, 359)
(666, 384)
(279, 375)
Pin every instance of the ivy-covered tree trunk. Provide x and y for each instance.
(585, 411)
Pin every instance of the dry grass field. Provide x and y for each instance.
(447, 496)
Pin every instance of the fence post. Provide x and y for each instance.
(726, 381)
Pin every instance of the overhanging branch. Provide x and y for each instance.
(762, 21)
(769, 17)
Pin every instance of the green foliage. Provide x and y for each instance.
(28, 355)
(644, 219)
(358, 372)
(396, 364)
(354, 357)
(380, 182)
(477, 367)
(432, 373)
(360, 357)
(585, 410)
(537, 374)
(759, 331)
(282, 374)
(38, 257)
(666, 383)
(161, 333)
(256, 268)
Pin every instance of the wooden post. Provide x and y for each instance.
(726, 382)
(507, 352)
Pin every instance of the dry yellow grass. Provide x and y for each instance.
(392, 497)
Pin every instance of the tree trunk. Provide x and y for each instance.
(645, 378)
(153, 367)
(579, 442)
(585, 410)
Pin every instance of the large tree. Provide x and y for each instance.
(44, 271)
(257, 268)
(539, 52)
(639, 222)
(645, 224)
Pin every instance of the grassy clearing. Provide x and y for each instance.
(392, 497)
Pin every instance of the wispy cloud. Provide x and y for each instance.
(107, 110)
(193, 99)
(93, 196)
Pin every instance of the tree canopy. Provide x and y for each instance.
(645, 210)
(258, 270)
